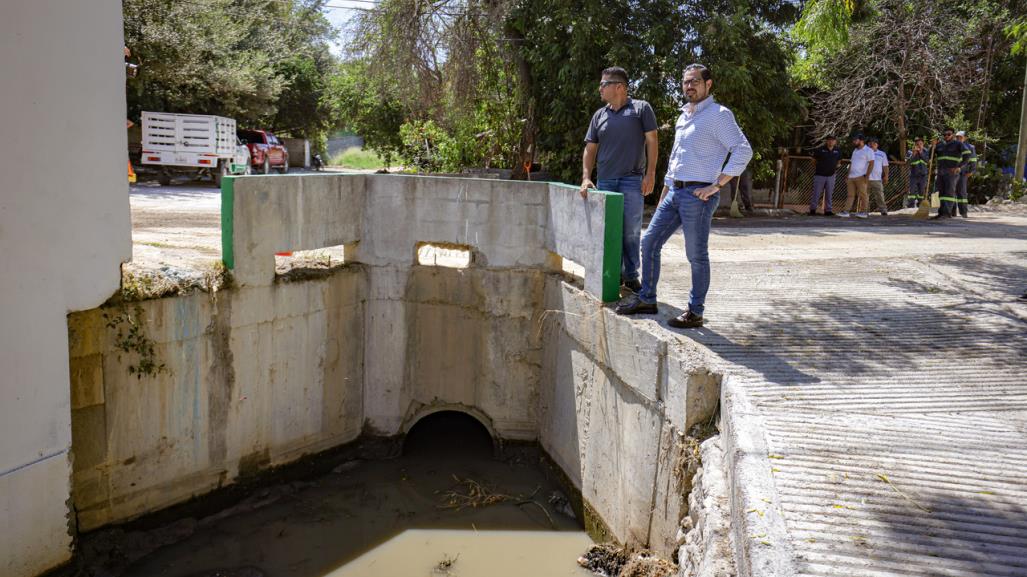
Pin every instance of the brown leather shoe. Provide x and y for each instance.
(686, 320)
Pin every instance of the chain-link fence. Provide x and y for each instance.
(796, 182)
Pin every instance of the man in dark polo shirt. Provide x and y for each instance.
(827, 158)
(622, 135)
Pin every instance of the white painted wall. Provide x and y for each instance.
(64, 230)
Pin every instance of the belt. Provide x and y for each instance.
(683, 184)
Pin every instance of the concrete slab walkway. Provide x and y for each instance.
(882, 367)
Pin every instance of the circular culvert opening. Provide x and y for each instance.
(448, 433)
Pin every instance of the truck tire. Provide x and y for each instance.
(164, 178)
(267, 165)
(284, 168)
(220, 172)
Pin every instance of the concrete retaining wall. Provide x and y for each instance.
(277, 366)
(507, 224)
(616, 401)
(257, 377)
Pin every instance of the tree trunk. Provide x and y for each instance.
(900, 120)
(529, 131)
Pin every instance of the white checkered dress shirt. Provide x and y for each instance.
(702, 141)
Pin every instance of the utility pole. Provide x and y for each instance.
(1021, 148)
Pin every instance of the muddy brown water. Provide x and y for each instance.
(446, 507)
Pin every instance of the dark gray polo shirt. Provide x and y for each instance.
(621, 138)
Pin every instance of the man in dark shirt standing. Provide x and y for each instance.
(949, 154)
(827, 158)
(623, 136)
(969, 169)
(918, 159)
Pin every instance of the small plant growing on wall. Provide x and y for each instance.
(126, 318)
(128, 324)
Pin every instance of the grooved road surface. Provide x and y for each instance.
(886, 365)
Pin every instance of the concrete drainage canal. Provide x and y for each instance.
(383, 416)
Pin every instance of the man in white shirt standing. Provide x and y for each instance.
(859, 173)
(706, 133)
(878, 176)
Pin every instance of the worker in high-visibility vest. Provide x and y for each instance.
(918, 159)
(949, 154)
(969, 154)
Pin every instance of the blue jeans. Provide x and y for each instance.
(631, 187)
(680, 208)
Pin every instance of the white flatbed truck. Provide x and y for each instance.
(192, 141)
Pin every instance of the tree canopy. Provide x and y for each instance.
(262, 63)
(448, 84)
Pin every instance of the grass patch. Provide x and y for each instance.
(357, 158)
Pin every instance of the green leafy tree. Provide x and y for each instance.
(367, 108)
(568, 44)
(262, 63)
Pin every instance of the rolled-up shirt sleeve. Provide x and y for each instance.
(733, 139)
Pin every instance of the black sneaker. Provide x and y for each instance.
(634, 306)
(686, 320)
(829, 213)
(812, 212)
(632, 285)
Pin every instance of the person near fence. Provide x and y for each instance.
(918, 159)
(949, 155)
(827, 156)
(622, 135)
(860, 165)
(742, 186)
(969, 155)
(878, 176)
(705, 134)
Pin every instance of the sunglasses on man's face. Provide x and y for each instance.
(606, 83)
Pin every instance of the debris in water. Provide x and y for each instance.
(611, 561)
(476, 495)
(646, 564)
(560, 504)
(605, 560)
(445, 566)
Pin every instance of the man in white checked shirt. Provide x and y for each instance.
(706, 133)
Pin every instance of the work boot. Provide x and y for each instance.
(939, 216)
(686, 320)
(634, 306)
(812, 212)
(632, 285)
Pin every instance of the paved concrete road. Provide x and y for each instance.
(882, 367)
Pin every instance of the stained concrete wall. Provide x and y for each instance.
(617, 399)
(257, 377)
(64, 229)
(508, 224)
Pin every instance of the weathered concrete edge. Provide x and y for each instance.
(761, 542)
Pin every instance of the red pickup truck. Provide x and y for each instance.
(266, 151)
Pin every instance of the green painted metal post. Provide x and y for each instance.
(612, 245)
(227, 222)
